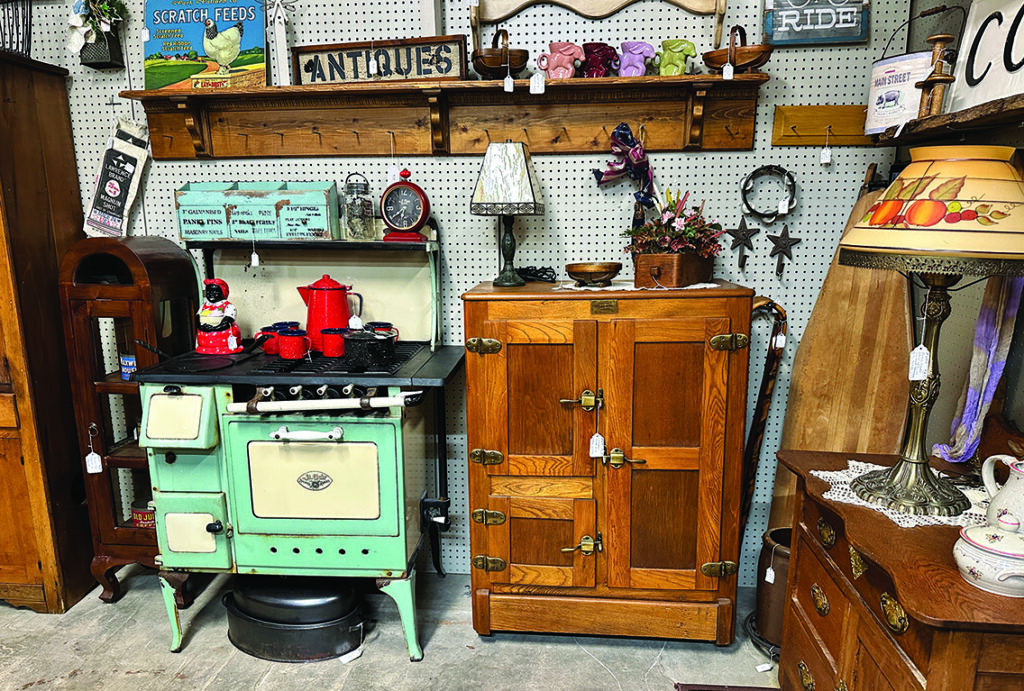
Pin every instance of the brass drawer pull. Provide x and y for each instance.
(806, 680)
(820, 600)
(895, 615)
(827, 533)
(858, 566)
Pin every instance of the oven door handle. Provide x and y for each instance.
(282, 433)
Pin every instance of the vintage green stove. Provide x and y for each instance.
(257, 471)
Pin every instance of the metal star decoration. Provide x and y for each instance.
(783, 247)
(741, 238)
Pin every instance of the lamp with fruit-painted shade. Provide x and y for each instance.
(953, 211)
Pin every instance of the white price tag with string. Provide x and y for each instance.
(597, 441)
(93, 461)
(510, 84)
(371, 66)
(919, 360)
(783, 207)
(727, 71)
(537, 83)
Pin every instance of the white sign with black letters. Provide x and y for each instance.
(991, 57)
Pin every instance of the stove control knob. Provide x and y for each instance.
(216, 527)
(170, 457)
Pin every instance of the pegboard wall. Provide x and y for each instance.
(582, 222)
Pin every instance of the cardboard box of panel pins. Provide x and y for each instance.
(204, 44)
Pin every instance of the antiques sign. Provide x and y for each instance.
(433, 57)
(789, 22)
(991, 60)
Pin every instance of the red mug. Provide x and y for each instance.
(270, 345)
(293, 344)
(333, 341)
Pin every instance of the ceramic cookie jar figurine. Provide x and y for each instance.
(218, 334)
(560, 63)
(633, 61)
(671, 61)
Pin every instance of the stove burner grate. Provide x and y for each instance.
(318, 364)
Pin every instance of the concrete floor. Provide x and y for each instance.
(125, 646)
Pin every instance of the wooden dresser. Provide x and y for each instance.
(872, 606)
(644, 542)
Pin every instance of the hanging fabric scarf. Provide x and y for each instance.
(631, 161)
(991, 343)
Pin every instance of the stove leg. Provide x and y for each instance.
(403, 592)
(169, 591)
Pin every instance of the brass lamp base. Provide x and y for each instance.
(910, 487)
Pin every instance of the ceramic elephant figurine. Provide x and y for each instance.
(635, 54)
(599, 60)
(671, 60)
(560, 63)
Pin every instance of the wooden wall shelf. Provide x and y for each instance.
(686, 113)
(1002, 111)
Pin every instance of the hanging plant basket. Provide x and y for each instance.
(105, 52)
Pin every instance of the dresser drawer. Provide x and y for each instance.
(821, 600)
(802, 665)
(826, 529)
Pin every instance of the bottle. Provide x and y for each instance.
(359, 224)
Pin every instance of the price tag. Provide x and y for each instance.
(145, 33)
(537, 83)
(93, 463)
(727, 71)
(372, 65)
(899, 129)
(783, 207)
(769, 575)
(596, 446)
(254, 260)
(394, 174)
(764, 667)
(919, 360)
(510, 84)
(826, 156)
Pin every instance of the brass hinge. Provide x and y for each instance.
(486, 457)
(484, 346)
(486, 563)
(487, 517)
(729, 341)
(717, 569)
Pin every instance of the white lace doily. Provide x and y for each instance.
(625, 284)
(841, 492)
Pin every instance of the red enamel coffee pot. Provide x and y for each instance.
(326, 307)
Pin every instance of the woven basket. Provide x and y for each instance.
(105, 52)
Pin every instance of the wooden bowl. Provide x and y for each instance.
(599, 274)
(741, 56)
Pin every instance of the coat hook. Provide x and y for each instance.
(488, 133)
(281, 135)
(729, 130)
(793, 127)
(243, 134)
(320, 137)
(528, 134)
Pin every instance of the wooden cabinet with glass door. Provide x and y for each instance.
(642, 540)
(114, 292)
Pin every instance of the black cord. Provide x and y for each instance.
(748, 186)
(537, 273)
(759, 641)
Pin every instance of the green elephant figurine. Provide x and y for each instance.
(671, 60)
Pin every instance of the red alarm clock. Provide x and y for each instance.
(405, 209)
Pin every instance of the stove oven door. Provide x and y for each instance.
(192, 530)
(315, 476)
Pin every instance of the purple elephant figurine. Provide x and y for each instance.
(635, 55)
(599, 59)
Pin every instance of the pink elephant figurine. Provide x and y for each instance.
(634, 57)
(672, 60)
(599, 60)
(560, 63)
